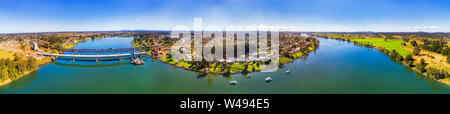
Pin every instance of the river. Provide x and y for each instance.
(335, 67)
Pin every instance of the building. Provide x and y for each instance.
(35, 46)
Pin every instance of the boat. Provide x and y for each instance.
(137, 61)
(287, 72)
(234, 82)
(268, 79)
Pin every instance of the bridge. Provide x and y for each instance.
(97, 54)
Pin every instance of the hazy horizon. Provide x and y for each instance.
(29, 16)
(213, 30)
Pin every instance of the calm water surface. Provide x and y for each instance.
(335, 67)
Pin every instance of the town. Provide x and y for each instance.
(293, 46)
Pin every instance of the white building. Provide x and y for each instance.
(35, 46)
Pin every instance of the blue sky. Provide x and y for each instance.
(302, 15)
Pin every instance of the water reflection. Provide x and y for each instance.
(419, 76)
(209, 77)
(92, 65)
(433, 84)
(334, 68)
(408, 69)
(21, 82)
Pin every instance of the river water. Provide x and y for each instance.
(335, 67)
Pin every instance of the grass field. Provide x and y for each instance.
(5, 54)
(390, 44)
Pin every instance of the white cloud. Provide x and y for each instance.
(421, 28)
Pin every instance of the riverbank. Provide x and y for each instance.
(324, 71)
(231, 68)
(389, 46)
(294, 48)
(6, 80)
(17, 59)
(15, 55)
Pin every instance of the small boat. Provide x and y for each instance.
(137, 61)
(268, 79)
(287, 72)
(234, 82)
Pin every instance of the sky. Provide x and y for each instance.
(21, 16)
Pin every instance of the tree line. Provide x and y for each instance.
(15, 68)
(432, 73)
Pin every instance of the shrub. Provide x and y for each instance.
(12, 69)
(416, 50)
(436, 74)
(422, 62)
(410, 64)
(394, 54)
(448, 59)
(400, 58)
(3, 74)
(413, 43)
(409, 58)
(421, 68)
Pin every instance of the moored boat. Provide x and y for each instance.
(268, 79)
(137, 61)
(234, 82)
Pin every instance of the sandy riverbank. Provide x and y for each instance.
(41, 62)
(7, 81)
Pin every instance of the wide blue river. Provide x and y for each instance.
(335, 67)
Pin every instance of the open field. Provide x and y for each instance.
(432, 60)
(390, 44)
(5, 54)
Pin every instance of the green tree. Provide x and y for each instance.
(421, 68)
(422, 62)
(32, 63)
(12, 73)
(413, 43)
(448, 59)
(400, 58)
(410, 63)
(17, 57)
(393, 53)
(416, 50)
(409, 58)
(3, 74)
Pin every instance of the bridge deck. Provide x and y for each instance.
(92, 56)
(109, 50)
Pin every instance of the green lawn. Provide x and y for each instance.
(390, 44)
